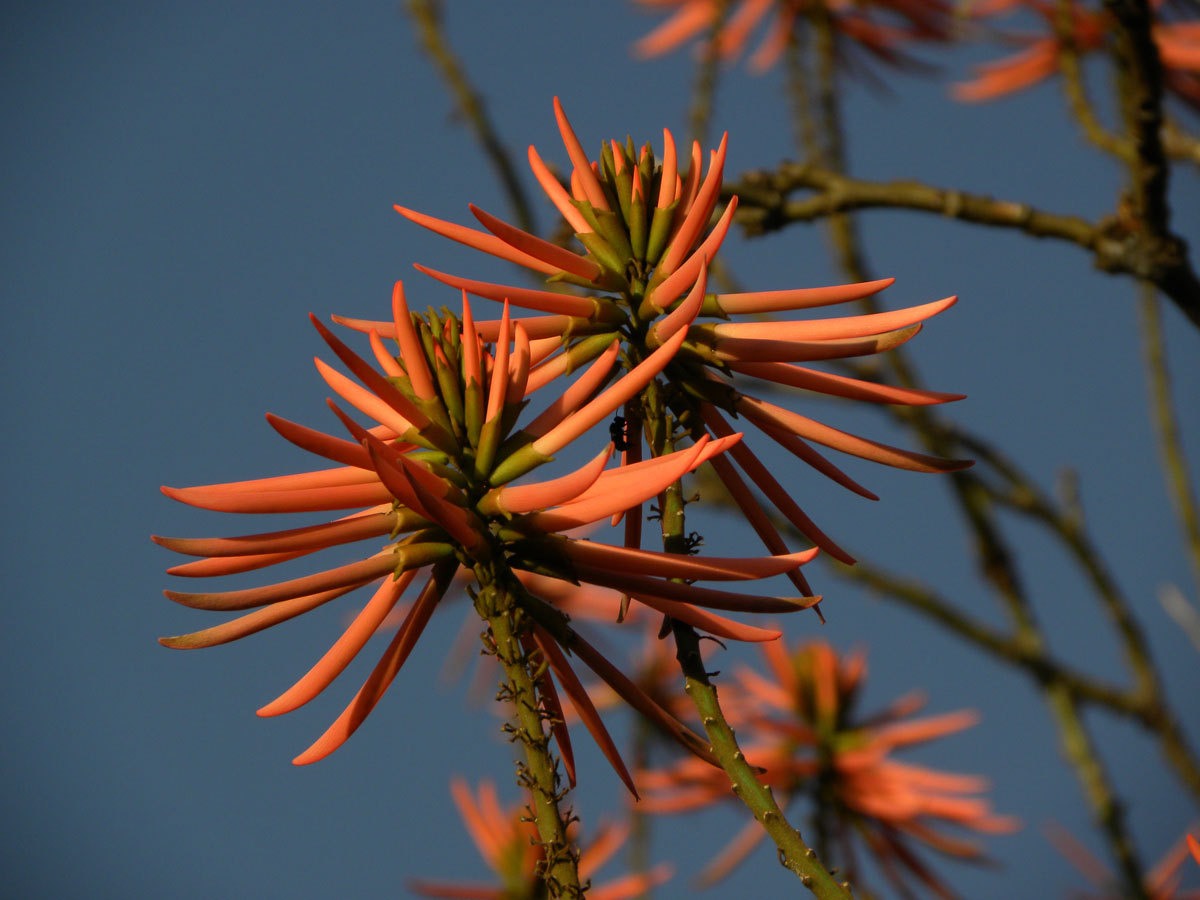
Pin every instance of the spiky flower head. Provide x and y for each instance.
(434, 478)
(799, 722)
(640, 272)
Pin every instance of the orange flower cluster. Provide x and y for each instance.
(642, 225)
(880, 27)
(437, 469)
(799, 723)
(436, 475)
(1162, 882)
(508, 842)
(1090, 30)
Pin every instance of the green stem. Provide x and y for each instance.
(1179, 482)
(496, 604)
(794, 853)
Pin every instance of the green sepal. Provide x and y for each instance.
(660, 232)
(613, 230)
(712, 307)
(473, 411)
(489, 442)
(523, 459)
(623, 181)
(602, 252)
(638, 232)
(608, 177)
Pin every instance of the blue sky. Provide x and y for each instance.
(185, 182)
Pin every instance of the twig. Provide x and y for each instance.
(1077, 97)
(425, 16)
(1179, 482)
(764, 206)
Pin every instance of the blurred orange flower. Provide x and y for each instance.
(1091, 29)
(799, 723)
(880, 27)
(1162, 882)
(508, 841)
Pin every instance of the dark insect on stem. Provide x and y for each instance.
(618, 431)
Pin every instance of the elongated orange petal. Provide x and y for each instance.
(386, 361)
(411, 350)
(803, 451)
(518, 367)
(488, 838)
(916, 731)
(385, 671)
(356, 573)
(593, 506)
(705, 620)
(673, 285)
(524, 498)
(688, 21)
(799, 298)
(591, 185)
(679, 565)
(579, 698)
(760, 350)
(233, 565)
(557, 193)
(697, 217)
(620, 480)
(840, 385)
(826, 329)
(366, 402)
(759, 410)
(500, 370)
(775, 492)
(684, 314)
(553, 255)
(344, 650)
(619, 682)
(666, 187)
(340, 476)
(305, 500)
(546, 301)
(573, 397)
(379, 385)
(709, 598)
(756, 516)
(479, 240)
(321, 444)
(604, 405)
(310, 537)
(254, 622)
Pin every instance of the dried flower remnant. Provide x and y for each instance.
(434, 479)
(508, 843)
(643, 229)
(1178, 43)
(881, 27)
(1162, 882)
(799, 723)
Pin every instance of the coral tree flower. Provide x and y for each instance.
(878, 26)
(1162, 882)
(434, 482)
(643, 228)
(508, 842)
(799, 723)
(1178, 45)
